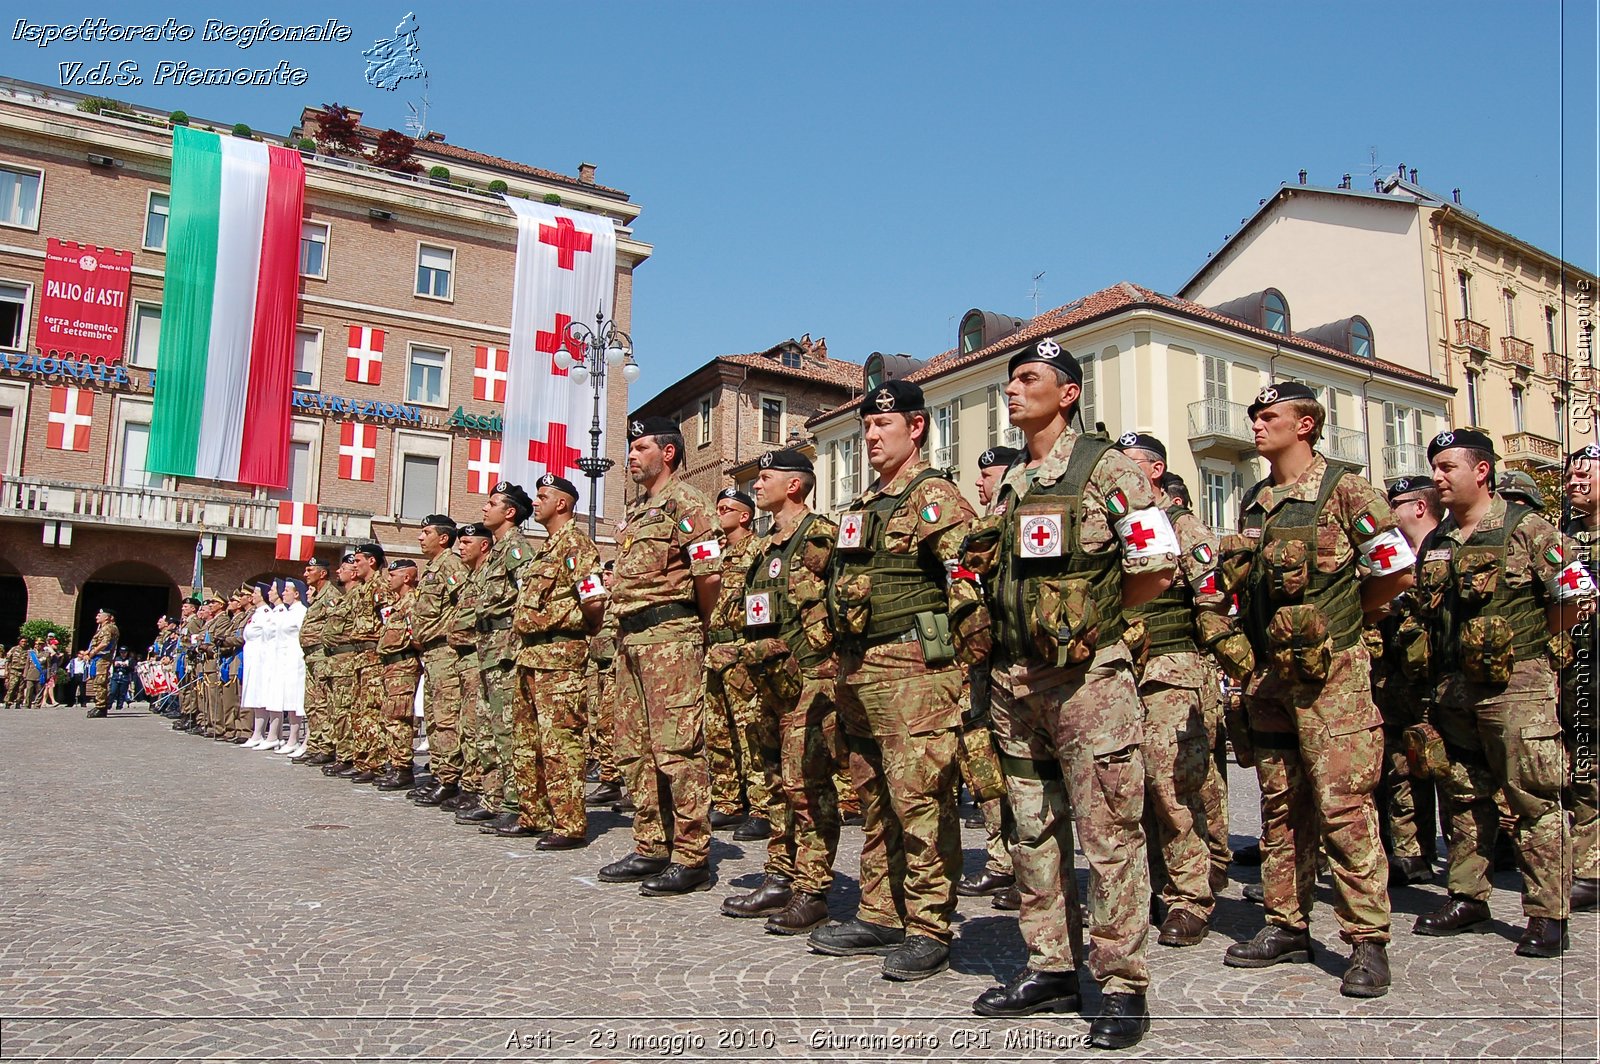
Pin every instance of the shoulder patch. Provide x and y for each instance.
(931, 512)
(1202, 553)
(1117, 503)
(1365, 525)
(686, 524)
(1553, 556)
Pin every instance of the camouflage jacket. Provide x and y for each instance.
(727, 617)
(463, 630)
(104, 640)
(806, 582)
(548, 616)
(365, 605)
(323, 601)
(336, 621)
(394, 628)
(438, 590)
(667, 540)
(1196, 576)
(500, 581)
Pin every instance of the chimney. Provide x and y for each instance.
(1302, 176)
(435, 136)
(1402, 174)
(1455, 194)
(1346, 182)
(586, 173)
(1413, 175)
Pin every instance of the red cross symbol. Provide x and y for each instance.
(1040, 535)
(757, 608)
(554, 454)
(1140, 536)
(851, 526)
(588, 587)
(551, 342)
(1571, 577)
(1383, 554)
(567, 240)
(700, 552)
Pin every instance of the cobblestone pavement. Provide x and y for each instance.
(168, 897)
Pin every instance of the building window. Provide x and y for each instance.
(971, 333)
(946, 435)
(1472, 397)
(131, 458)
(419, 486)
(1088, 409)
(19, 197)
(1550, 322)
(434, 267)
(1214, 499)
(1510, 298)
(1516, 408)
(846, 482)
(790, 358)
(1216, 383)
(146, 342)
(14, 315)
(1360, 338)
(421, 474)
(1274, 311)
(307, 357)
(705, 421)
(314, 250)
(425, 376)
(771, 419)
(156, 213)
(1464, 286)
(1559, 407)
(1402, 426)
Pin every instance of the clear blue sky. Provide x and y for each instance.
(869, 171)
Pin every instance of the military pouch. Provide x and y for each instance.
(1425, 754)
(1235, 553)
(983, 767)
(933, 633)
(1412, 645)
(852, 597)
(1477, 575)
(1541, 761)
(781, 677)
(980, 551)
(1562, 656)
(1372, 639)
(1235, 656)
(1136, 636)
(1299, 644)
(1432, 578)
(1066, 623)
(1288, 563)
(1486, 655)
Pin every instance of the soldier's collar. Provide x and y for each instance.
(902, 478)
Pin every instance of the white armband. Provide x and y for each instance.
(1146, 534)
(1389, 552)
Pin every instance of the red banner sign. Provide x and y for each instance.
(84, 304)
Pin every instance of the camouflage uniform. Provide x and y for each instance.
(1318, 744)
(191, 633)
(210, 676)
(1214, 790)
(16, 661)
(101, 647)
(366, 710)
(660, 733)
(1069, 735)
(319, 698)
(902, 714)
(230, 661)
(400, 667)
(471, 713)
(548, 714)
(439, 586)
(1406, 805)
(339, 666)
(1579, 721)
(500, 578)
(599, 682)
(732, 761)
(1499, 735)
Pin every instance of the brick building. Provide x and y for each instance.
(417, 267)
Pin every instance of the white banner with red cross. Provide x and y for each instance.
(71, 414)
(483, 464)
(566, 271)
(489, 373)
(297, 531)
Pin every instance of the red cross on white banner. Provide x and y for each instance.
(567, 239)
(590, 587)
(483, 465)
(1383, 555)
(297, 531)
(705, 550)
(71, 414)
(556, 339)
(358, 451)
(553, 453)
(363, 361)
(489, 373)
(1140, 536)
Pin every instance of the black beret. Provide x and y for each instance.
(561, 484)
(476, 530)
(194, 600)
(893, 397)
(373, 551)
(1142, 441)
(739, 497)
(1279, 392)
(1460, 438)
(1407, 485)
(402, 563)
(1050, 353)
(439, 521)
(518, 498)
(346, 558)
(787, 461)
(997, 456)
(1589, 451)
(316, 563)
(651, 426)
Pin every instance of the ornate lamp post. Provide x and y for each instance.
(605, 346)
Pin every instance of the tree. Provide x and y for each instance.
(41, 629)
(393, 152)
(338, 132)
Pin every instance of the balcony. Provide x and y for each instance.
(1471, 335)
(1404, 460)
(944, 457)
(1526, 447)
(1555, 365)
(168, 511)
(1217, 424)
(1346, 445)
(1517, 352)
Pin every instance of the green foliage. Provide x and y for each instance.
(498, 186)
(307, 144)
(179, 118)
(38, 629)
(552, 199)
(440, 173)
(95, 104)
(242, 130)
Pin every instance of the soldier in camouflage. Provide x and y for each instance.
(366, 610)
(472, 547)
(562, 594)
(401, 668)
(1494, 580)
(16, 662)
(230, 659)
(340, 668)
(433, 615)
(665, 586)
(1578, 688)
(600, 689)
(191, 629)
(905, 629)
(1318, 551)
(322, 594)
(215, 621)
(1074, 537)
(102, 646)
(789, 649)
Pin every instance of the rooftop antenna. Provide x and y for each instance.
(1036, 292)
(417, 120)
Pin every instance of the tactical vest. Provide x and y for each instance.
(1169, 617)
(784, 620)
(902, 585)
(1018, 579)
(1337, 595)
(1519, 606)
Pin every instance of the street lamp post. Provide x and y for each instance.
(604, 345)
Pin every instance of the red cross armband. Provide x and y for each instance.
(1147, 534)
(1572, 583)
(1385, 553)
(590, 587)
(704, 551)
(954, 570)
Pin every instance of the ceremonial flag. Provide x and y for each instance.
(226, 358)
(297, 531)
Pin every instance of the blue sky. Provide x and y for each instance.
(869, 171)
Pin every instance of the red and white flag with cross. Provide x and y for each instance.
(489, 373)
(363, 362)
(358, 451)
(566, 271)
(71, 414)
(483, 465)
(297, 531)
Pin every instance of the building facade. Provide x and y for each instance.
(404, 326)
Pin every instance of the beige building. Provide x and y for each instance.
(1152, 363)
(1423, 282)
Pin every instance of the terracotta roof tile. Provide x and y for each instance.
(467, 155)
(833, 371)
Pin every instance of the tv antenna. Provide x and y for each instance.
(1035, 292)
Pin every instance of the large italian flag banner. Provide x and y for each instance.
(225, 366)
(566, 272)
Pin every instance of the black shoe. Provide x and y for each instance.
(1456, 916)
(633, 869)
(984, 883)
(1123, 1020)
(591, 772)
(1008, 900)
(556, 841)
(1585, 894)
(605, 794)
(364, 776)
(1368, 973)
(1249, 856)
(1404, 871)
(1272, 945)
(973, 821)
(854, 937)
(477, 813)
(462, 800)
(720, 820)
(916, 958)
(438, 794)
(394, 780)
(1255, 892)
(1030, 992)
(677, 879)
(769, 899)
(309, 758)
(499, 822)
(517, 830)
(624, 806)
(335, 768)
(1544, 937)
(753, 829)
(95, 713)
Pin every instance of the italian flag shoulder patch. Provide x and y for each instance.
(1117, 503)
(686, 525)
(1553, 556)
(1202, 553)
(1365, 525)
(930, 512)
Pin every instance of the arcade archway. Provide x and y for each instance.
(13, 603)
(136, 592)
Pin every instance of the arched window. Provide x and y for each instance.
(1360, 337)
(1274, 311)
(971, 332)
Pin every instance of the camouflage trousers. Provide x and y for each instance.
(1319, 749)
(1514, 745)
(732, 756)
(397, 722)
(1214, 793)
(319, 704)
(366, 708)
(1408, 817)
(233, 723)
(189, 694)
(442, 713)
(1069, 744)
(660, 739)
(496, 743)
(599, 686)
(549, 724)
(900, 721)
(340, 673)
(209, 711)
(997, 826)
(473, 717)
(799, 742)
(1177, 752)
